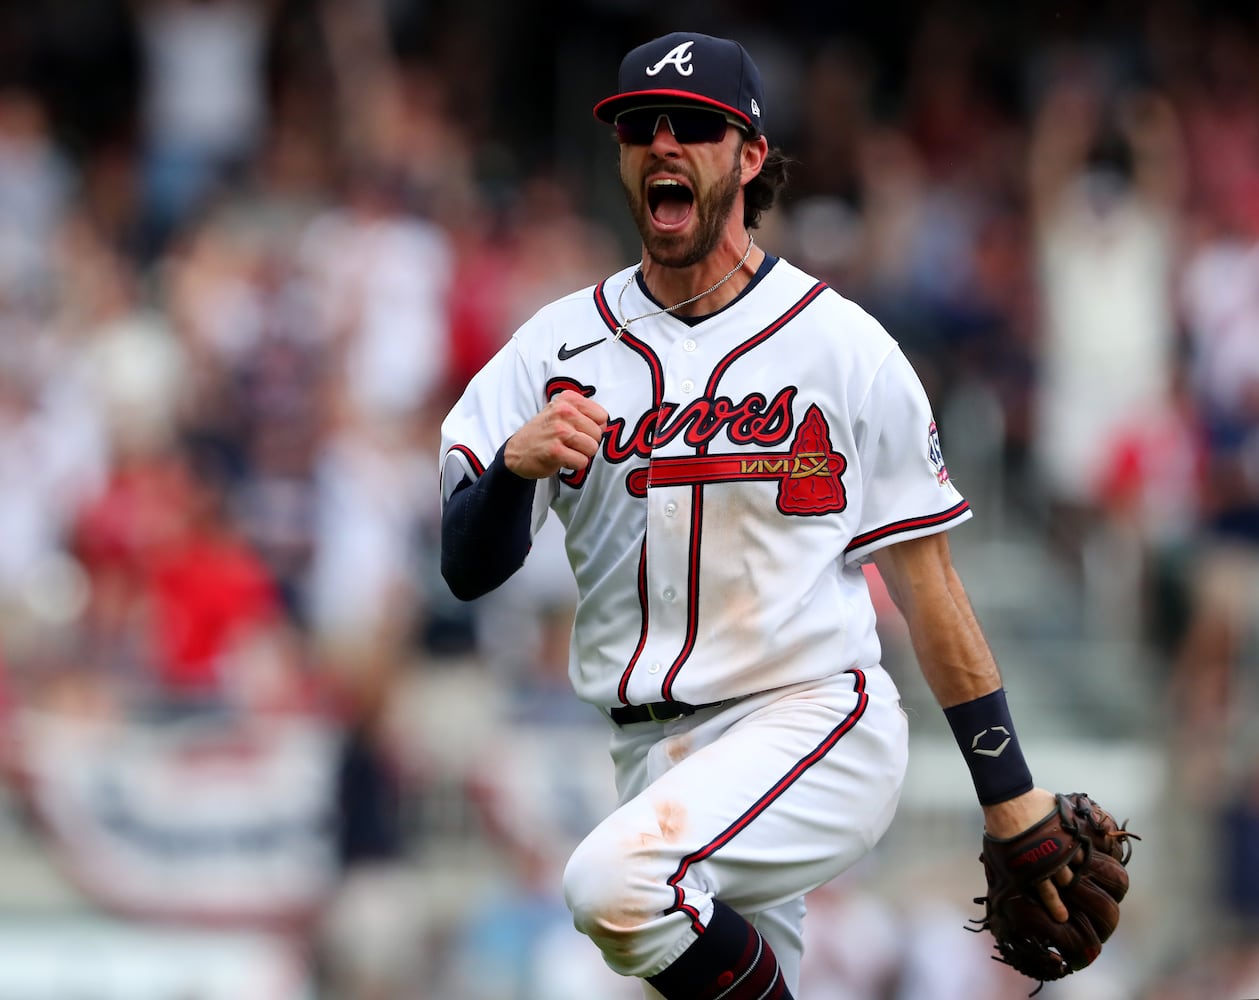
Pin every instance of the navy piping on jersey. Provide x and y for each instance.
(657, 393)
(697, 491)
(909, 524)
(471, 458)
(765, 801)
(656, 371)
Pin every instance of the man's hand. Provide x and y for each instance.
(1010, 818)
(564, 435)
(1078, 853)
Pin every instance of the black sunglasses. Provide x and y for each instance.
(638, 126)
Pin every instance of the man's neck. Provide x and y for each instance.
(713, 282)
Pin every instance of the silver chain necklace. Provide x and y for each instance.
(625, 324)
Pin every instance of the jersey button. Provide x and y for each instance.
(687, 385)
(688, 345)
(670, 509)
(670, 593)
(654, 668)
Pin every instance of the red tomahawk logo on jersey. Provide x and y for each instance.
(808, 475)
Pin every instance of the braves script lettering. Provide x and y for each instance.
(755, 420)
(809, 474)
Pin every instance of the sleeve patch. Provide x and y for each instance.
(935, 454)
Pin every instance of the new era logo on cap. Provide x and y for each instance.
(691, 68)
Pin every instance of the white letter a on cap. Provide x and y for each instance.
(679, 56)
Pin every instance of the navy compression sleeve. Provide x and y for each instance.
(485, 530)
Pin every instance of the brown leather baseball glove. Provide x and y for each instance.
(1080, 835)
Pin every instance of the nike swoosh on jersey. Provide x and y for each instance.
(565, 353)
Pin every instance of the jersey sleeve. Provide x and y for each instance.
(499, 400)
(905, 486)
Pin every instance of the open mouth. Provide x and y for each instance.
(670, 201)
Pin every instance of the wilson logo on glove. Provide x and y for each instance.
(1045, 849)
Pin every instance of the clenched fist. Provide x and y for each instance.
(564, 435)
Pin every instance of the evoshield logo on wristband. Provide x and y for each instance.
(991, 751)
(985, 735)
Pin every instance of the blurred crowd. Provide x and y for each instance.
(251, 250)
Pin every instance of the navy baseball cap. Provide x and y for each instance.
(689, 68)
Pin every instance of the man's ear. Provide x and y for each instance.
(752, 155)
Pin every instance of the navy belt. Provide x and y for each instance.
(660, 711)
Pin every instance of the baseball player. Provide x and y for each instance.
(726, 441)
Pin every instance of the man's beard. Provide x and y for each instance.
(711, 210)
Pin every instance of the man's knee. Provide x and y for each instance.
(598, 887)
(617, 901)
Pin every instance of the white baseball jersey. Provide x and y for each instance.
(752, 462)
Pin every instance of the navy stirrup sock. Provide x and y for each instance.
(729, 961)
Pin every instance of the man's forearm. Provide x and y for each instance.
(485, 530)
